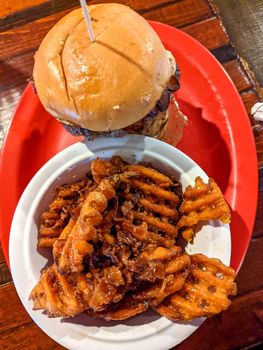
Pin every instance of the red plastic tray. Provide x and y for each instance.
(218, 138)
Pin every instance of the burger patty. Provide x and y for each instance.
(152, 124)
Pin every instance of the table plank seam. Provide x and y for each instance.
(6, 331)
(5, 274)
(43, 10)
(241, 295)
(189, 24)
(252, 346)
(161, 5)
(38, 12)
(20, 53)
(255, 239)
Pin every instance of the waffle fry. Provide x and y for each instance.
(142, 233)
(176, 271)
(204, 293)
(67, 295)
(151, 174)
(76, 246)
(153, 189)
(56, 294)
(175, 265)
(67, 201)
(169, 229)
(201, 203)
(152, 198)
(114, 247)
(161, 209)
(101, 168)
(126, 308)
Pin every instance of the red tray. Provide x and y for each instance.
(218, 138)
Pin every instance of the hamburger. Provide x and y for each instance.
(120, 83)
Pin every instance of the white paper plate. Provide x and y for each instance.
(147, 330)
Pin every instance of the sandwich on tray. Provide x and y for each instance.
(122, 82)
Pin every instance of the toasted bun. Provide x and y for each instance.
(107, 84)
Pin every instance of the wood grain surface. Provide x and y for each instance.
(23, 24)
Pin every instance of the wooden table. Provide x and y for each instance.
(23, 24)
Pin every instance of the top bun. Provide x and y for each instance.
(104, 85)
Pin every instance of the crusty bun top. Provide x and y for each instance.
(107, 84)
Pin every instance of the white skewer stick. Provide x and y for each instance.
(87, 19)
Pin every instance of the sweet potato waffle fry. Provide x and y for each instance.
(177, 264)
(201, 203)
(126, 308)
(115, 251)
(147, 196)
(101, 168)
(63, 295)
(204, 293)
(66, 204)
(156, 274)
(76, 246)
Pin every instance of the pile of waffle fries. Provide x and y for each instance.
(115, 242)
